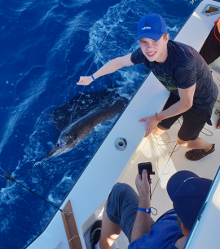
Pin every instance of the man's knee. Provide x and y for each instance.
(181, 142)
(121, 195)
(119, 187)
(118, 190)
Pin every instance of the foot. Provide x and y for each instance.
(95, 233)
(196, 154)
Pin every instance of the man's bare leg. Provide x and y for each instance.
(198, 143)
(109, 233)
(157, 131)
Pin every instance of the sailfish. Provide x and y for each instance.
(72, 127)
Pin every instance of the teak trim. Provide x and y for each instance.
(71, 227)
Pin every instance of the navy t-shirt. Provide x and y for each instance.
(163, 234)
(182, 69)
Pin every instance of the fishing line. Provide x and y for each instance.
(99, 50)
(173, 151)
(164, 143)
(2, 169)
(157, 161)
(158, 147)
(35, 167)
(39, 163)
(164, 168)
(211, 133)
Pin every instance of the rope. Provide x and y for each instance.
(164, 168)
(73, 238)
(164, 143)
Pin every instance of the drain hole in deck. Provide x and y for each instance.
(120, 143)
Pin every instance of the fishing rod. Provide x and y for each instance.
(10, 178)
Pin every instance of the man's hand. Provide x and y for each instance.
(143, 186)
(151, 123)
(85, 80)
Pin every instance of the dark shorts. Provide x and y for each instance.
(211, 48)
(122, 207)
(193, 120)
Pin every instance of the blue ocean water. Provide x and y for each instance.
(45, 47)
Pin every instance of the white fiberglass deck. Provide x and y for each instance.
(158, 151)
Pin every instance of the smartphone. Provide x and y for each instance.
(148, 167)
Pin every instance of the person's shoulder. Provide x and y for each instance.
(180, 47)
(137, 56)
(188, 50)
(183, 54)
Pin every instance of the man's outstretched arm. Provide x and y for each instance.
(109, 67)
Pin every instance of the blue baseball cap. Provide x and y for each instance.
(151, 26)
(188, 192)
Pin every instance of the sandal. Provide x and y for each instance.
(196, 154)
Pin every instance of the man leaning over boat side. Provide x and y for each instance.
(131, 213)
(183, 72)
(210, 50)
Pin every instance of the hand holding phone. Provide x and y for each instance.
(148, 167)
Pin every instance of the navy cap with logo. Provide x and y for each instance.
(188, 192)
(151, 26)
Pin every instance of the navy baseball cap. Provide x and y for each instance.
(151, 26)
(188, 192)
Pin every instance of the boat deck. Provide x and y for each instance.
(168, 158)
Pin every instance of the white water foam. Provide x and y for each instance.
(20, 110)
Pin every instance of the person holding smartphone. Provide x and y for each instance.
(131, 213)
